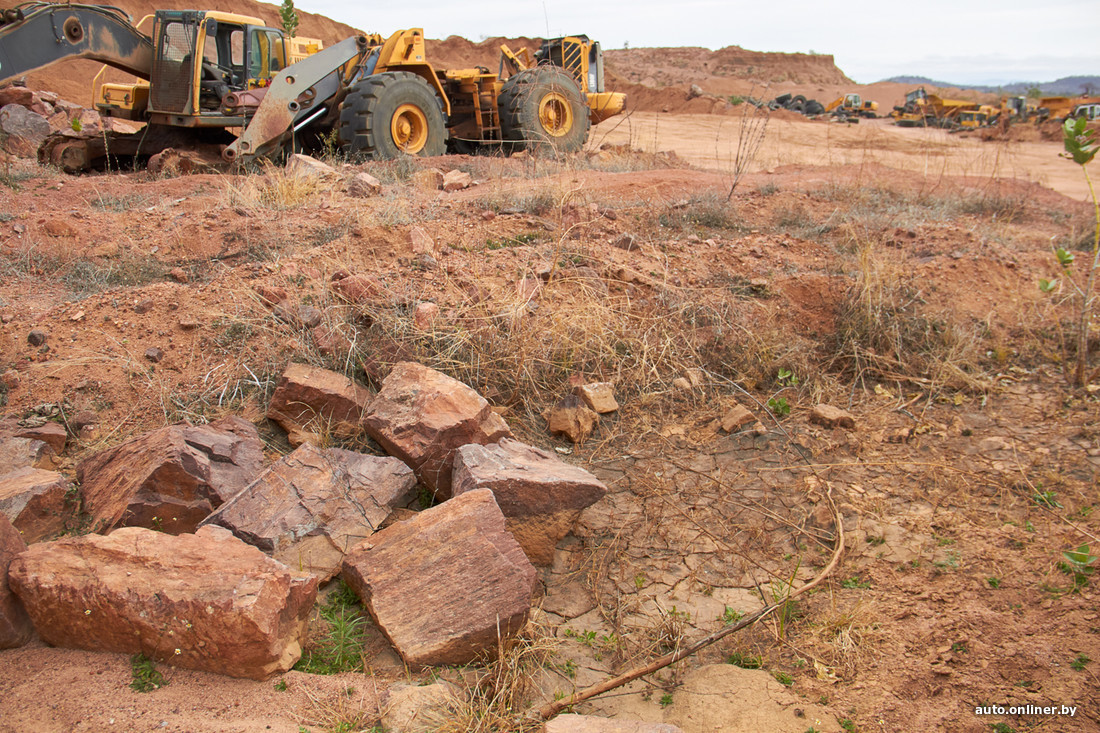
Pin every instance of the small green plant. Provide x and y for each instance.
(959, 648)
(1078, 565)
(735, 99)
(730, 616)
(666, 700)
(639, 581)
(1002, 728)
(783, 678)
(856, 582)
(1048, 499)
(340, 649)
(779, 406)
(1079, 663)
(745, 661)
(145, 676)
(993, 582)
(1080, 145)
(289, 16)
(848, 724)
(786, 378)
(280, 686)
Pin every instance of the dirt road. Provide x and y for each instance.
(710, 141)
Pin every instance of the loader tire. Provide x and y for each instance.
(391, 114)
(541, 110)
(814, 107)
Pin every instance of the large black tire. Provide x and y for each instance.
(541, 110)
(391, 114)
(814, 107)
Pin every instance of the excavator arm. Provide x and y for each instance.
(34, 35)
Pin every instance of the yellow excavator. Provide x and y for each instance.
(853, 106)
(231, 81)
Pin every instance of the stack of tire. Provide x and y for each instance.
(797, 103)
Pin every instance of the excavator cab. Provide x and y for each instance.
(199, 58)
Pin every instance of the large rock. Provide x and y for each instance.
(15, 625)
(34, 501)
(422, 416)
(312, 506)
(593, 724)
(304, 166)
(172, 478)
(18, 453)
(311, 404)
(540, 495)
(22, 131)
(441, 585)
(50, 433)
(202, 601)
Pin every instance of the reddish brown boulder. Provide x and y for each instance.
(21, 452)
(572, 419)
(202, 601)
(172, 478)
(441, 584)
(311, 403)
(15, 625)
(312, 506)
(22, 131)
(34, 501)
(421, 416)
(50, 433)
(539, 495)
(832, 417)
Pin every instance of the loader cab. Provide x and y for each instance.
(578, 55)
(201, 57)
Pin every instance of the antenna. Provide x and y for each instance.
(546, 17)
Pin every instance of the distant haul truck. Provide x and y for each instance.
(206, 74)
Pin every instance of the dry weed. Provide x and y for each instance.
(275, 188)
(496, 693)
(884, 332)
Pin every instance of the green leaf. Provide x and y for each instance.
(1080, 557)
(1080, 142)
(1047, 285)
(1065, 259)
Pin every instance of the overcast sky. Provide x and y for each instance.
(971, 41)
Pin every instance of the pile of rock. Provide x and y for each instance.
(212, 560)
(28, 117)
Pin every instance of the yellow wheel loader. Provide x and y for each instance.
(206, 74)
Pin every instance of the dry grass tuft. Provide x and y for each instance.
(497, 693)
(275, 189)
(884, 332)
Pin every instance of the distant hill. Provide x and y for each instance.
(1069, 86)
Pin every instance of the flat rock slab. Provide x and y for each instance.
(311, 403)
(540, 495)
(441, 584)
(50, 433)
(15, 625)
(593, 724)
(419, 708)
(832, 417)
(203, 601)
(170, 479)
(422, 416)
(312, 506)
(599, 396)
(34, 501)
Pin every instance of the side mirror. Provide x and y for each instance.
(211, 27)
